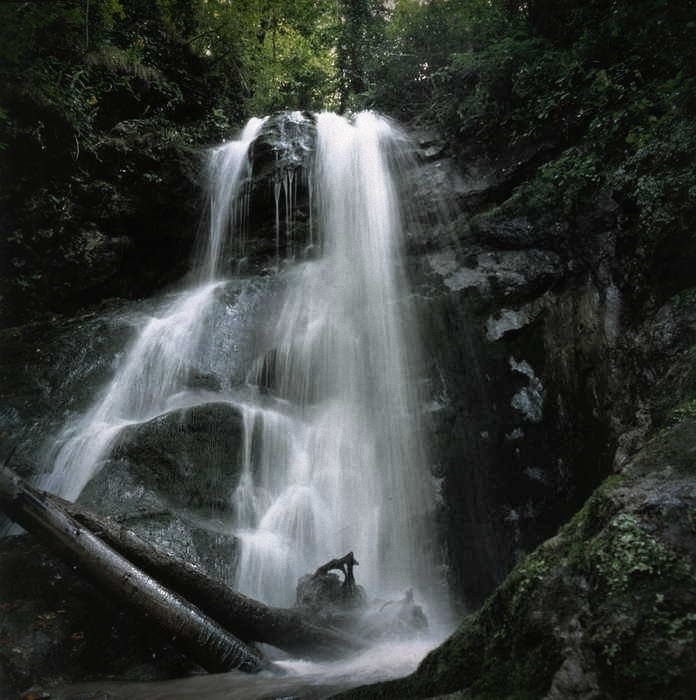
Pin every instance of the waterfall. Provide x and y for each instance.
(333, 455)
(347, 469)
(229, 169)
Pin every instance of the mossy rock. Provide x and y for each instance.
(603, 610)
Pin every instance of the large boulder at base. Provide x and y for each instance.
(190, 456)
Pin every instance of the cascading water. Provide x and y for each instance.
(345, 467)
(228, 172)
(333, 456)
(153, 377)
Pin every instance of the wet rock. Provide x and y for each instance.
(50, 371)
(604, 609)
(509, 320)
(189, 456)
(503, 274)
(171, 480)
(499, 285)
(325, 595)
(282, 156)
(508, 233)
(529, 400)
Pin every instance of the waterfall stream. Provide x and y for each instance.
(333, 455)
(345, 466)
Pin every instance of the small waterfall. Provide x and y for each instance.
(153, 377)
(146, 385)
(333, 455)
(229, 170)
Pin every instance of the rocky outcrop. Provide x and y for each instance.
(572, 401)
(525, 356)
(50, 370)
(171, 481)
(603, 609)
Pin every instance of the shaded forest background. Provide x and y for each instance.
(103, 103)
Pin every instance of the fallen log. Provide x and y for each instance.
(211, 646)
(251, 620)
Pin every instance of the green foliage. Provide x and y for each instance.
(282, 53)
(564, 183)
(419, 40)
(585, 79)
(685, 410)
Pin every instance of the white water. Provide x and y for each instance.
(337, 461)
(303, 679)
(345, 468)
(146, 385)
(229, 170)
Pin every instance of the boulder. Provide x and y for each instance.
(604, 609)
(171, 480)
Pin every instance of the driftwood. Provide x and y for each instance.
(345, 565)
(251, 620)
(202, 638)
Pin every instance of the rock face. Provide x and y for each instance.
(50, 370)
(523, 334)
(171, 480)
(125, 229)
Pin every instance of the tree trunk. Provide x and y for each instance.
(202, 638)
(250, 619)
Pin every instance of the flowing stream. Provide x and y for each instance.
(333, 455)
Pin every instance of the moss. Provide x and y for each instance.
(673, 446)
(686, 409)
(590, 519)
(676, 389)
(627, 593)
(643, 625)
(623, 551)
(685, 299)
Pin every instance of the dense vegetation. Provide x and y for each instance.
(98, 95)
(607, 88)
